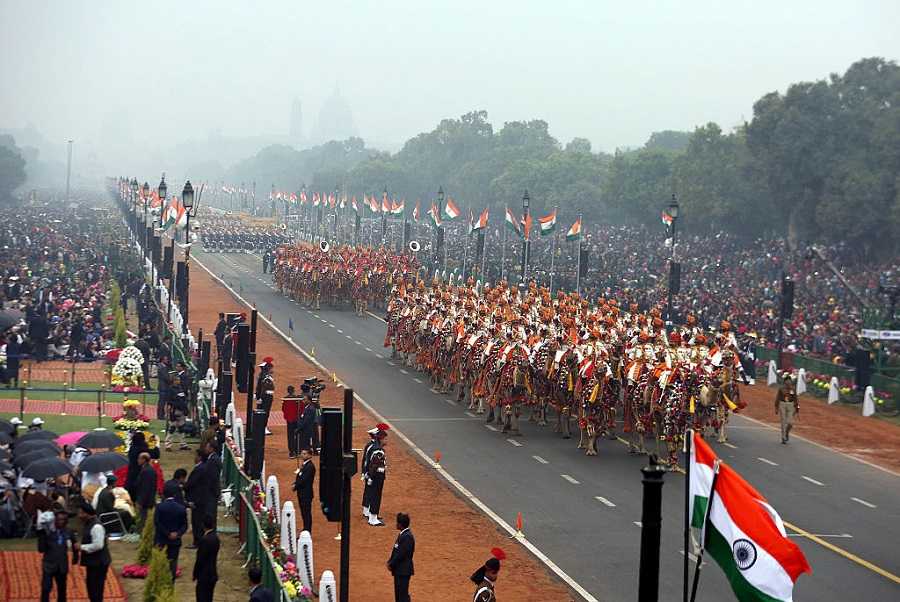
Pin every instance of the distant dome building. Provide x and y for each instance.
(335, 120)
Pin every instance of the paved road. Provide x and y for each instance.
(583, 512)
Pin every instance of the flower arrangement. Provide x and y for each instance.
(127, 372)
(131, 419)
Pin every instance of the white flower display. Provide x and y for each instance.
(133, 353)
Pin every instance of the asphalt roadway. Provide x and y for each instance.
(584, 512)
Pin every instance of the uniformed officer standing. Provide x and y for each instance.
(787, 407)
(267, 256)
(265, 388)
(486, 576)
(377, 470)
(364, 473)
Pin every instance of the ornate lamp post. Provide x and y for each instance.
(673, 211)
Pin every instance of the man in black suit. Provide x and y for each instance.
(258, 593)
(213, 471)
(170, 521)
(205, 573)
(178, 481)
(303, 485)
(219, 333)
(196, 492)
(400, 564)
(306, 424)
(145, 486)
(55, 546)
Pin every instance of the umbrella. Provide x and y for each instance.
(5, 438)
(10, 317)
(103, 462)
(5, 465)
(47, 468)
(39, 434)
(25, 459)
(29, 446)
(98, 438)
(70, 438)
(4, 454)
(6, 427)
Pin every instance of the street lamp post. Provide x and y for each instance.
(187, 199)
(439, 230)
(674, 268)
(526, 202)
(134, 189)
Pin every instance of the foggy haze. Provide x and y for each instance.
(118, 77)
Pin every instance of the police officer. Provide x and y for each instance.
(265, 387)
(486, 576)
(267, 257)
(364, 473)
(377, 470)
(787, 407)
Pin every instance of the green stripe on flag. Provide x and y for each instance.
(719, 548)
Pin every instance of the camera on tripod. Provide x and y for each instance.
(312, 387)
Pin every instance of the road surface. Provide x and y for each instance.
(584, 513)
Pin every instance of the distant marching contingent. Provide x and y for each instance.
(504, 350)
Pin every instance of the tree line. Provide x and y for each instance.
(818, 162)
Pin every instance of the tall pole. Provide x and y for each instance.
(578, 262)
(553, 254)
(688, 443)
(503, 255)
(651, 526)
(526, 231)
(673, 215)
(344, 589)
(68, 170)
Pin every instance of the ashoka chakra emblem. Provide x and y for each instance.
(744, 553)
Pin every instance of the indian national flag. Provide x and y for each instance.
(743, 533)
(482, 221)
(512, 222)
(355, 204)
(574, 232)
(343, 204)
(435, 215)
(398, 208)
(169, 214)
(451, 210)
(303, 200)
(666, 219)
(385, 204)
(547, 223)
(316, 199)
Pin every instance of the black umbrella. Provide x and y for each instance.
(26, 459)
(29, 446)
(100, 438)
(4, 465)
(7, 427)
(103, 462)
(39, 434)
(4, 454)
(47, 468)
(9, 318)
(5, 438)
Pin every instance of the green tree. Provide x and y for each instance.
(145, 547)
(12, 168)
(159, 577)
(668, 140)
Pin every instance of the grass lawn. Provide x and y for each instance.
(68, 424)
(85, 391)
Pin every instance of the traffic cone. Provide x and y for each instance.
(437, 459)
(519, 533)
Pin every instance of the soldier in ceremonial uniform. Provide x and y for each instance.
(787, 407)
(364, 473)
(375, 474)
(265, 387)
(485, 577)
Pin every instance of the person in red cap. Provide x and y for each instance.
(290, 408)
(375, 473)
(486, 577)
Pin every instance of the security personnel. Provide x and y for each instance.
(787, 407)
(267, 258)
(377, 470)
(265, 388)
(303, 485)
(486, 576)
(290, 408)
(364, 473)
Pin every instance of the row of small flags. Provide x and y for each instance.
(173, 212)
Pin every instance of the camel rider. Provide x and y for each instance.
(787, 407)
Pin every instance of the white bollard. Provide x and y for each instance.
(238, 432)
(289, 529)
(834, 391)
(273, 495)
(801, 381)
(305, 559)
(773, 374)
(327, 587)
(869, 401)
(229, 414)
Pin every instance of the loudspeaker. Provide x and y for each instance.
(674, 277)
(223, 392)
(166, 270)
(331, 464)
(583, 266)
(787, 297)
(242, 352)
(181, 283)
(205, 351)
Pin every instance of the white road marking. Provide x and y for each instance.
(767, 461)
(541, 460)
(813, 481)
(358, 343)
(331, 325)
(726, 444)
(831, 535)
(369, 349)
(490, 427)
(570, 479)
(340, 331)
(449, 401)
(379, 356)
(323, 320)
(864, 502)
(402, 371)
(471, 415)
(418, 380)
(514, 442)
(605, 501)
(391, 363)
(316, 315)
(347, 336)
(638, 523)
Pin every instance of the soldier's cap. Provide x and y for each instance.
(380, 429)
(267, 361)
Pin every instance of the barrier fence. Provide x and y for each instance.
(250, 530)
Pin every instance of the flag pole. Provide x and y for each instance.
(578, 264)
(688, 444)
(466, 255)
(553, 251)
(503, 255)
(712, 495)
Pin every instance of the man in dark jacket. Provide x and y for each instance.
(164, 385)
(306, 424)
(400, 564)
(170, 521)
(146, 486)
(220, 332)
(205, 573)
(106, 503)
(93, 551)
(303, 485)
(55, 546)
(258, 592)
(213, 471)
(197, 493)
(178, 481)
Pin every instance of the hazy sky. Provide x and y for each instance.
(610, 71)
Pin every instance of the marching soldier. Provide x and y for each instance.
(486, 577)
(787, 407)
(377, 469)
